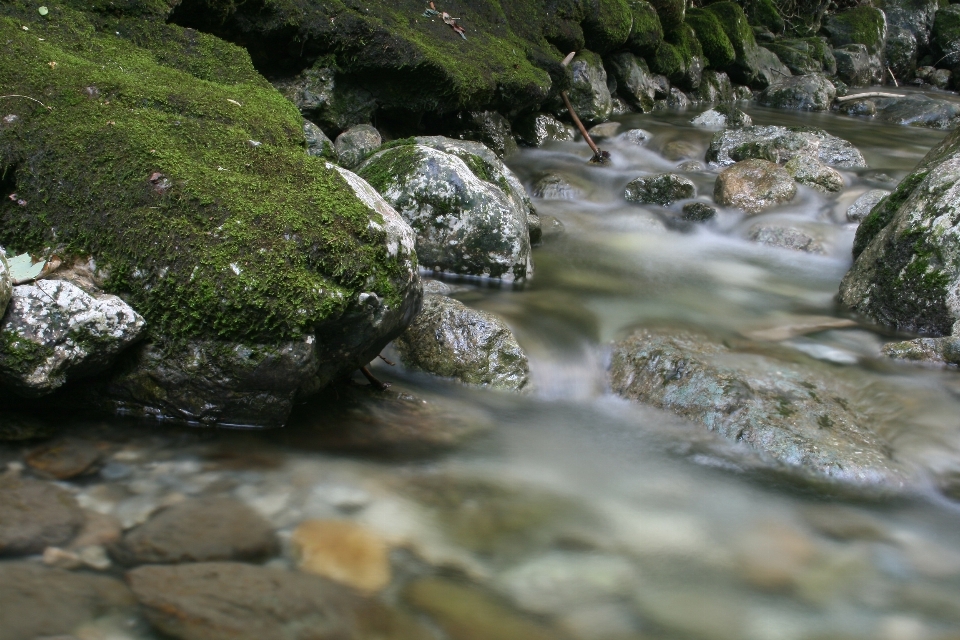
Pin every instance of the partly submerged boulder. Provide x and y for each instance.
(809, 171)
(469, 211)
(906, 270)
(754, 185)
(811, 92)
(780, 144)
(663, 189)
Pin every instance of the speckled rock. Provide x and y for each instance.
(663, 189)
(318, 144)
(6, 283)
(804, 416)
(589, 93)
(450, 339)
(54, 332)
(555, 187)
(234, 601)
(357, 143)
(536, 129)
(199, 530)
(754, 185)
(41, 602)
(35, 515)
(809, 171)
(919, 111)
(780, 144)
(785, 238)
(469, 212)
(861, 208)
(906, 269)
(811, 92)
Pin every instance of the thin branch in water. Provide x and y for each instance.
(869, 94)
(14, 95)
(376, 384)
(599, 157)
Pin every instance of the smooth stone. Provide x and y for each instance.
(356, 144)
(680, 150)
(555, 187)
(449, 339)
(809, 171)
(344, 552)
(753, 186)
(663, 189)
(780, 144)
(784, 238)
(38, 601)
(721, 117)
(35, 515)
(639, 137)
(198, 530)
(64, 458)
(861, 208)
(604, 130)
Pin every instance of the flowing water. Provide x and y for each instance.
(590, 516)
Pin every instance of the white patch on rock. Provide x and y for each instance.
(399, 233)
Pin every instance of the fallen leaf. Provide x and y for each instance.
(232, 101)
(23, 269)
(43, 11)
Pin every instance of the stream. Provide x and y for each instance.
(583, 514)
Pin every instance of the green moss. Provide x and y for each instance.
(863, 25)
(145, 161)
(716, 45)
(671, 13)
(607, 25)
(647, 33)
(764, 13)
(667, 61)
(21, 356)
(735, 24)
(884, 211)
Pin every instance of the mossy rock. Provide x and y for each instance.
(945, 36)
(805, 55)
(647, 33)
(607, 24)
(671, 12)
(745, 67)
(716, 45)
(863, 25)
(764, 13)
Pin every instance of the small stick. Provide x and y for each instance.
(869, 94)
(14, 95)
(392, 364)
(893, 77)
(376, 384)
(598, 155)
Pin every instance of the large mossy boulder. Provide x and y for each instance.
(607, 24)
(806, 418)
(469, 212)
(647, 32)
(680, 58)
(857, 67)
(164, 155)
(716, 45)
(805, 55)
(864, 25)
(751, 66)
(906, 270)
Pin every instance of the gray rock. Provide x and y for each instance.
(619, 106)
(318, 144)
(325, 97)
(661, 85)
(469, 212)
(857, 67)
(36, 515)
(861, 107)
(39, 602)
(555, 187)
(639, 137)
(489, 128)
(861, 208)
(677, 99)
(722, 117)
(780, 144)
(54, 332)
(6, 283)
(906, 270)
(663, 189)
(784, 238)
(634, 80)
(929, 351)
(537, 129)
(742, 93)
(715, 87)
(356, 144)
(234, 601)
(769, 68)
(811, 92)
(199, 530)
(698, 212)
(919, 111)
(901, 53)
(803, 416)
(604, 130)
(809, 171)
(754, 185)
(449, 339)
(588, 93)
(940, 78)
(916, 17)
(249, 384)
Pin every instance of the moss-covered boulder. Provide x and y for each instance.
(663, 189)
(716, 45)
(764, 13)
(945, 37)
(164, 155)
(680, 58)
(749, 66)
(715, 86)
(647, 32)
(906, 272)
(671, 13)
(864, 25)
(901, 53)
(805, 55)
(809, 171)
(464, 205)
(607, 24)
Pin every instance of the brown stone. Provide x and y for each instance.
(64, 458)
(754, 185)
(35, 515)
(97, 529)
(343, 551)
(199, 530)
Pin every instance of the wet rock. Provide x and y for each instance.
(861, 107)
(715, 87)
(940, 78)
(639, 137)
(64, 458)
(692, 166)
(916, 17)
(934, 351)
(945, 36)
(318, 144)
(919, 111)
(780, 144)
(198, 530)
(805, 55)
(552, 228)
(619, 106)
(536, 129)
(901, 53)
(325, 97)
(663, 189)
(861, 208)
(466, 612)
(54, 332)
(680, 150)
(905, 271)
(357, 143)
(809, 171)
(698, 212)
(344, 552)
(36, 515)
(449, 339)
(555, 187)
(677, 99)
(722, 117)
(865, 25)
(785, 238)
(634, 80)
(811, 92)
(754, 185)
(468, 210)
(742, 93)
(856, 67)
(806, 417)
(38, 601)
(229, 600)
(6, 283)
(588, 93)
(604, 130)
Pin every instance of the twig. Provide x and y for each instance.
(392, 364)
(14, 95)
(869, 94)
(376, 384)
(893, 77)
(599, 156)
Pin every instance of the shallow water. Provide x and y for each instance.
(664, 531)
